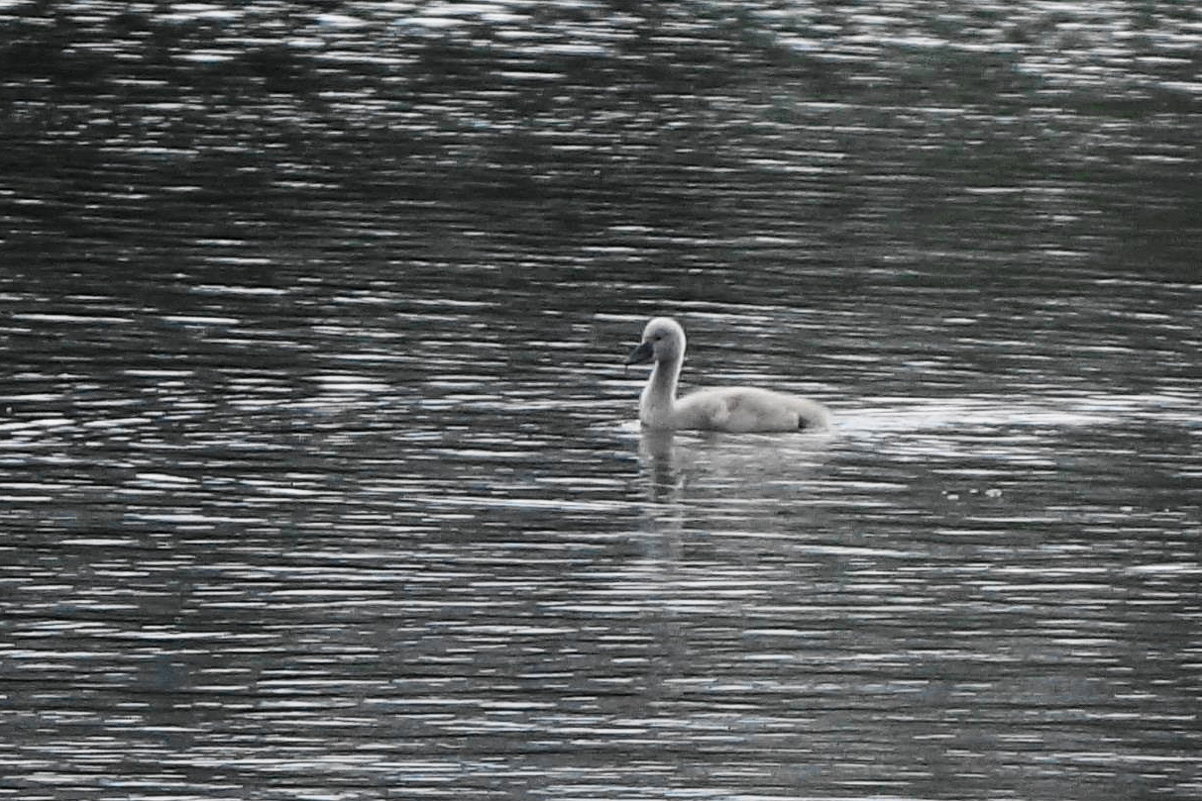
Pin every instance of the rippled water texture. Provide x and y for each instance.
(319, 471)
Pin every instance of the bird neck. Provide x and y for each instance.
(659, 396)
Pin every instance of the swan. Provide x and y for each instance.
(736, 410)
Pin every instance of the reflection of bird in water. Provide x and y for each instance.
(736, 470)
(736, 410)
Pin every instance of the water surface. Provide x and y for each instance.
(319, 470)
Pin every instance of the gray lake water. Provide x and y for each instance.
(320, 475)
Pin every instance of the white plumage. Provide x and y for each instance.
(734, 409)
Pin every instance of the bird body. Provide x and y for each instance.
(736, 410)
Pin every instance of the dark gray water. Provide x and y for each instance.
(319, 472)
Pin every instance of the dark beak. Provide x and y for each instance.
(642, 354)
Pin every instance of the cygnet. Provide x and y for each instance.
(737, 410)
